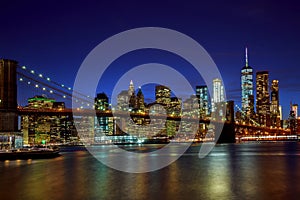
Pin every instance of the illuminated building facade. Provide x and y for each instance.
(263, 98)
(218, 93)
(40, 102)
(140, 102)
(295, 109)
(247, 90)
(101, 102)
(104, 125)
(123, 100)
(280, 112)
(202, 95)
(162, 95)
(175, 106)
(131, 88)
(292, 122)
(274, 107)
(132, 97)
(55, 128)
(191, 106)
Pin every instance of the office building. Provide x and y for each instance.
(47, 128)
(295, 109)
(105, 124)
(274, 107)
(191, 104)
(292, 121)
(132, 97)
(123, 100)
(280, 112)
(162, 95)
(202, 95)
(131, 88)
(175, 106)
(140, 102)
(247, 90)
(218, 93)
(101, 102)
(263, 98)
(40, 102)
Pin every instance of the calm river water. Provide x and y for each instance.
(231, 171)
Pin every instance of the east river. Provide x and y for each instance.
(231, 171)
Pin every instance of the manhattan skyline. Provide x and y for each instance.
(54, 38)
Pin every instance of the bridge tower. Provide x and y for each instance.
(228, 131)
(8, 101)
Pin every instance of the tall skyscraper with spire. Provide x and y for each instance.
(131, 88)
(131, 94)
(247, 88)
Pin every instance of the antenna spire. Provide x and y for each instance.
(246, 52)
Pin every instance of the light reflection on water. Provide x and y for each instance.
(237, 171)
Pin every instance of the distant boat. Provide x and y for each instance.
(28, 153)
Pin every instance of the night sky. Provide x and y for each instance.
(54, 37)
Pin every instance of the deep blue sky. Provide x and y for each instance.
(54, 37)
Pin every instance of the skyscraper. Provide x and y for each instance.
(49, 128)
(123, 100)
(274, 108)
(175, 106)
(131, 88)
(162, 95)
(218, 93)
(101, 102)
(292, 121)
(202, 95)
(263, 98)
(247, 89)
(131, 94)
(295, 109)
(140, 103)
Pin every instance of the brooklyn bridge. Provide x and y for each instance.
(18, 125)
